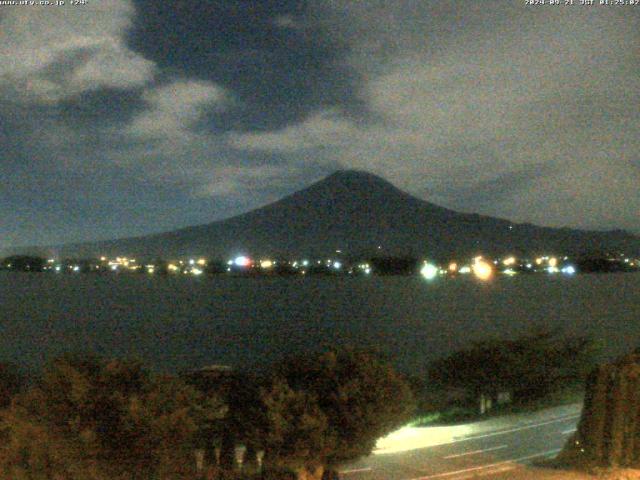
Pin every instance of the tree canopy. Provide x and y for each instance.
(330, 408)
(93, 419)
(530, 366)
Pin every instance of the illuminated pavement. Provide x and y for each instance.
(488, 449)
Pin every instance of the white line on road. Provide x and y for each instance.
(567, 432)
(456, 455)
(484, 467)
(355, 470)
(506, 468)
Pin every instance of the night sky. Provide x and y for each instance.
(122, 118)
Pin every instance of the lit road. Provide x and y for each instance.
(488, 449)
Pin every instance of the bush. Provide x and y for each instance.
(94, 419)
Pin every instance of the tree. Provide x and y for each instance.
(294, 430)
(331, 408)
(530, 367)
(93, 419)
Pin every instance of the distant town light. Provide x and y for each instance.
(202, 262)
(266, 263)
(509, 261)
(464, 270)
(196, 271)
(482, 270)
(192, 261)
(429, 271)
(305, 263)
(552, 269)
(453, 267)
(569, 270)
(553, 262)
(337, 265)
(242, 261)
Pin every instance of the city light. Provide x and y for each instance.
(553, 262)
(337, 265)
(266, 263)
(429, 271)
(242, 261)
(464, 270)
(196, 271)
(509, 261)
(202, 262)
(482, 270)
(453, 267)
(569, 270)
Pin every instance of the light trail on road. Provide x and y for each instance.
(484, 449)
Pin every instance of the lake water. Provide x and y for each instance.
(175, 323)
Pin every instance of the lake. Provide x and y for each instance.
(176, 323)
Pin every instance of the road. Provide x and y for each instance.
(489, 449)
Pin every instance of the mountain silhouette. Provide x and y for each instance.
(359, 214)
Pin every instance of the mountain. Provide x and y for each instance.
(360, 214)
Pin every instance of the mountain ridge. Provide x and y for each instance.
(358, 213)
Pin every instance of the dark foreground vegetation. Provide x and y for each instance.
(496, 376)
(85, 418)
(609, 428)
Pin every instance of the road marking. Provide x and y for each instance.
(355, 470)
(511, 430)
(484, 467)
(499, 447)
(506, 468)
(567, 432)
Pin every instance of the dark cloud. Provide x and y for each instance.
(143, 116)
(281, 71)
